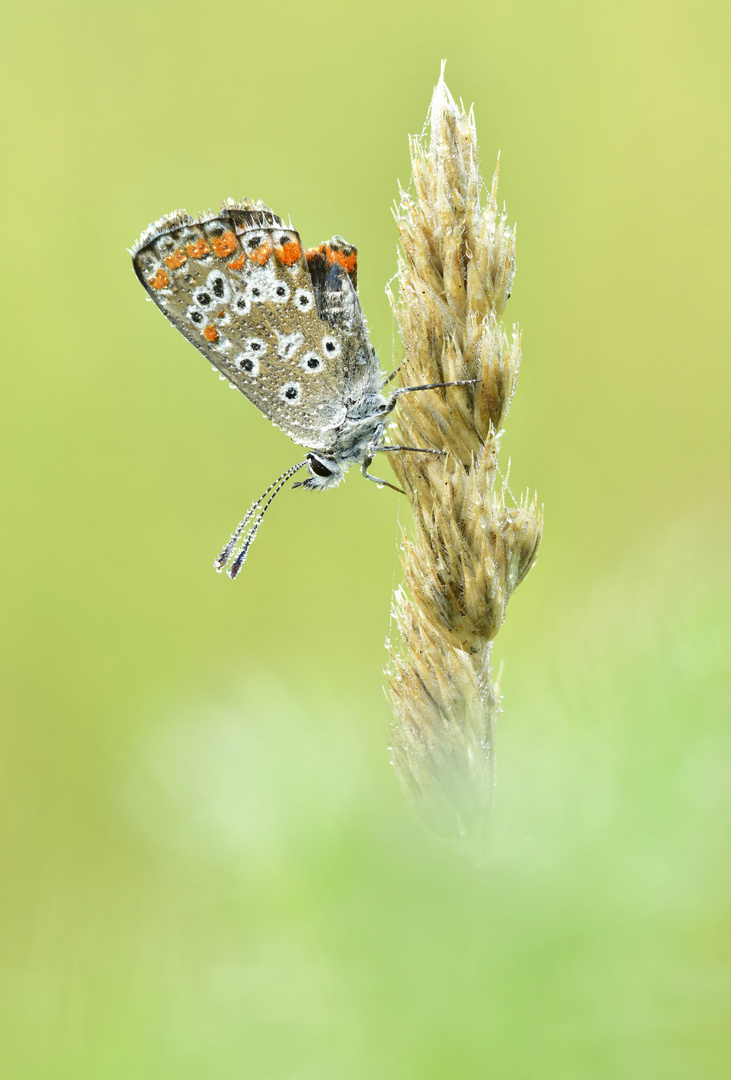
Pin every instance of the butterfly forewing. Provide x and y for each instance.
(237, 285)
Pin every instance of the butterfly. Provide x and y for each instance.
(285, 327)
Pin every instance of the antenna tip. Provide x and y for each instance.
(236, 565)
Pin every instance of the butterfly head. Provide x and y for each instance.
(325, 472)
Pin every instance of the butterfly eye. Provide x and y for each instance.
(318, 467)
(331, 346)
(290, 392)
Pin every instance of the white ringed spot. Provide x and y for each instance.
(247, 364)
(311, 361)
(279, 292)
(304, 300)
(219, 286)
(290, 392)
(289, 344)
(204, 297)
(256, 292)
(241, 304)
(196, 316)
(331, 347)
(254, 346)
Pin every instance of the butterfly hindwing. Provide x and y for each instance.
(238, 286)
(333, 266)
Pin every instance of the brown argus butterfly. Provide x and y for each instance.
(285, 327)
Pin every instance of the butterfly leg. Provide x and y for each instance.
(414, 449)
(377, 479)
(367, 460)
(389, 450)
(396, 394)
(428, 386)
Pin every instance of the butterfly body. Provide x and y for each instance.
(284, 326)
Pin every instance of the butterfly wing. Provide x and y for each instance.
(238, 287)
(333, 266)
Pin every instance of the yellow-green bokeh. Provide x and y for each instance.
(208, 870)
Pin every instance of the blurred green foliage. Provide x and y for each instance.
(207, 867)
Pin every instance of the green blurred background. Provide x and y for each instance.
(207, 866)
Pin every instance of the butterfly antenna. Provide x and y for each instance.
(249, 524)
(250, 535)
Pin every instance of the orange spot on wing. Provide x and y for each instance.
(261, 254)
(289, 253)
(176, 260)
(349, 263)
(198, 249)
(160, 280)
(210, 333)
(224, 245)
(238, 264)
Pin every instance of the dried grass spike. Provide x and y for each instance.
(469, 550)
